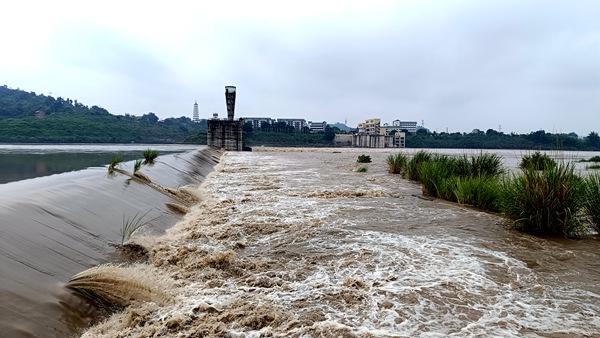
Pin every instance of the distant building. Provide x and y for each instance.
(409, 126)
(40, 114)
(317, 127)
(196, 116)
(372, 135)
(298, 124)
(257, 122)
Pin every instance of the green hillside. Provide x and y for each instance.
(26, 117)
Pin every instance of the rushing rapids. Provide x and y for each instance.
(296, 243)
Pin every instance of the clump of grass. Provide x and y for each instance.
(397, 163)
(364, 159)
(544, 202)
(591, 199)
(537, 161)
(150, 155)
(362, 169)
(412, 169)
(437, 180)
(488, 165)
(131, 225)
(137, 165)
(479, 191)
(115, 163)
(592, 167)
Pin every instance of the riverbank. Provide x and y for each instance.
(296, 243)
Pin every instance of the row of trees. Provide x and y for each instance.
(282, 134)
(492, 139)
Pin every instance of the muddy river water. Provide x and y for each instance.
(297, 243)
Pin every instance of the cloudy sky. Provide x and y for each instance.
(518, 65)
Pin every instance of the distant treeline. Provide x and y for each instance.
(539, 140)
(280, 134)
(26, 117)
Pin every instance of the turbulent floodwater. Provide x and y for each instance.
(296, 243)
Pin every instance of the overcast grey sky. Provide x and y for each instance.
(523, 64)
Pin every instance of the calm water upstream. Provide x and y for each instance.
(289, 243)
(61, 213)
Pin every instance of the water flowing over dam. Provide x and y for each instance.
(283, 243)
(297, 243)
(53, 227)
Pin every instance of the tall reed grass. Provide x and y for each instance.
(592, 200)
(412, 169)
(397, 163)
(546, 201)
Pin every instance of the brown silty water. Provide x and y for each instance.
(54, 227)
(297, 243)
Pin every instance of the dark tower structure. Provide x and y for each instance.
(230, 101)
(226, 134)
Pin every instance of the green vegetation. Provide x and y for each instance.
(132, 225)
(138, 165)
(537, 161)
(412, 169)
(115, 163)
(362, 169)
(479, 191)
(285, 138)
(364, 159)
(460, 179)
(28, 117)
(544, 202)
(492, 139)
(150, 156)
(552, 200)
(592, 167)
(397, 163)
(594, 159)
(591, 200)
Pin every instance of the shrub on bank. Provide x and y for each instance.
(544, 202)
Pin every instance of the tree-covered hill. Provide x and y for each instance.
(30, 118)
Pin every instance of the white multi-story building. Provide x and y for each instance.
(409, 126)
(257, 122)
(298, 124)
(316, 127)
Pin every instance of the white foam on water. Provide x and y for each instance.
(320, 261)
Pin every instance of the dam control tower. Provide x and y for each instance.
(226, 134)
